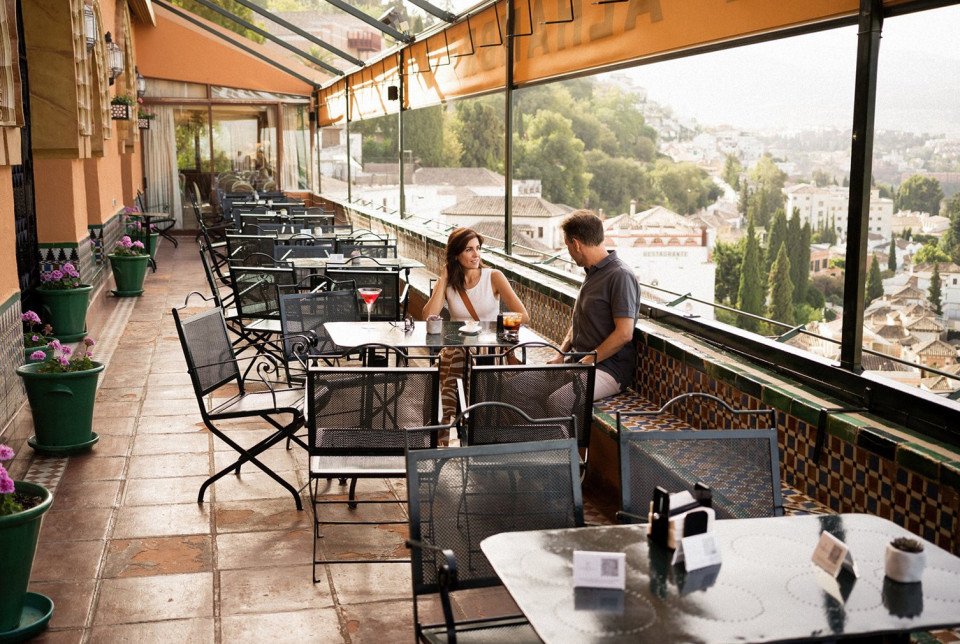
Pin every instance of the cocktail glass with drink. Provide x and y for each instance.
(511, 325)
(369, 295)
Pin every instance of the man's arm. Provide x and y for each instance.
(622, 334)
(564, 346)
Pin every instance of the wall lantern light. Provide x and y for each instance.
(114, 57)
(89, 26)
(141, 84)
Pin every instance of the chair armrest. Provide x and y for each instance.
(629, 517)
(446, 581)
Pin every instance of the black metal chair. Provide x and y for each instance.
(161, 224)
(213, 366)
(391, 305)
(301, 313)
(355, 249)
(457, 498)
(355, 422)
(741, 466)
(241, 247)
(539, 390)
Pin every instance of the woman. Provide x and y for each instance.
(466, 284)
(464, 272)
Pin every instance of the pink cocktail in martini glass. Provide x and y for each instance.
(369, 295)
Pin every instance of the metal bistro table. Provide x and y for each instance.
(347, 335)
(404, 263)
(766, 588)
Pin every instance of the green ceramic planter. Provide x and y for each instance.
(27, 352)
(67, 311)
(18, 545)
(154, 243)
(128, 273)
(62, 408)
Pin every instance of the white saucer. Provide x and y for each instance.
(470, 329)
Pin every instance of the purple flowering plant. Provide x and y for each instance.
(8, 502)
(65, 278)
(128, 248)
(31, 337)
(60, 360)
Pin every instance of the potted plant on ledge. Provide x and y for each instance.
(22, 505)
(34, 340)
(62, 390)
(120, 107)
(65, 301)
(129, 263)
(144, 116)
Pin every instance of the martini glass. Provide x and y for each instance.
(369, 295)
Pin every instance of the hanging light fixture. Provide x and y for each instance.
(141, 83)
(114, 57)
(89, 26)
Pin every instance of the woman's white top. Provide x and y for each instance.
(485, 302)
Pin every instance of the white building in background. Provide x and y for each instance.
(668, 251)
(830, 204)
(949, 289)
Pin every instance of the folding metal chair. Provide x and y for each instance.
(213, 366)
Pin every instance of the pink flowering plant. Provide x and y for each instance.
(31, 337)
(8, 501)
(65, 278)
(128, 248)
(63, 360)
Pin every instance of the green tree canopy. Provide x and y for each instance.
(934, 290)
(728, 258)
(822, 178)
(685, 187)
(781, 288)
(874, 282)
(750, 294)
(731, 171)
(776, 236)
(238, 10)
(929, 253)
(920, 193)
(615, 181)
(550, 152)
(479, 130)
(767, 197)
(798, 249)
(892, 255)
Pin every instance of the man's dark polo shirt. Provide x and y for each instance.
(610, 290)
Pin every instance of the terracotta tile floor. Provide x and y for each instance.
(127, 554)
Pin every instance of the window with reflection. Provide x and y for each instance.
(245, 147)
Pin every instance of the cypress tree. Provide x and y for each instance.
(874, 283)
(781, 288)
(892, 255)
(798, 250)
(750, 295)
(776, 236)
(934, 289)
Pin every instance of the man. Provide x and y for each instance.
(606, 308)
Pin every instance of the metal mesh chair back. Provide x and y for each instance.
(378, 250)
(539, 390)
(388, 305)
(288, 253)
(240, 247)
(741, 466)
(361, 411)
(459, 497)
(312, 218)
(492, 422)
(208, 352)
(303, 312)
(257, 290)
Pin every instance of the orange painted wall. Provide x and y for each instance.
(8, 237)
(178, 50)
(60, 197)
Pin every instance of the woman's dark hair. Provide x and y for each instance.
(456, 244)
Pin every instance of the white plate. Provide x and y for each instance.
(470, 329)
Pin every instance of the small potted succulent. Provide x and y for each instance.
(904, 560)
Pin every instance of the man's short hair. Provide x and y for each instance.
(584, 226)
